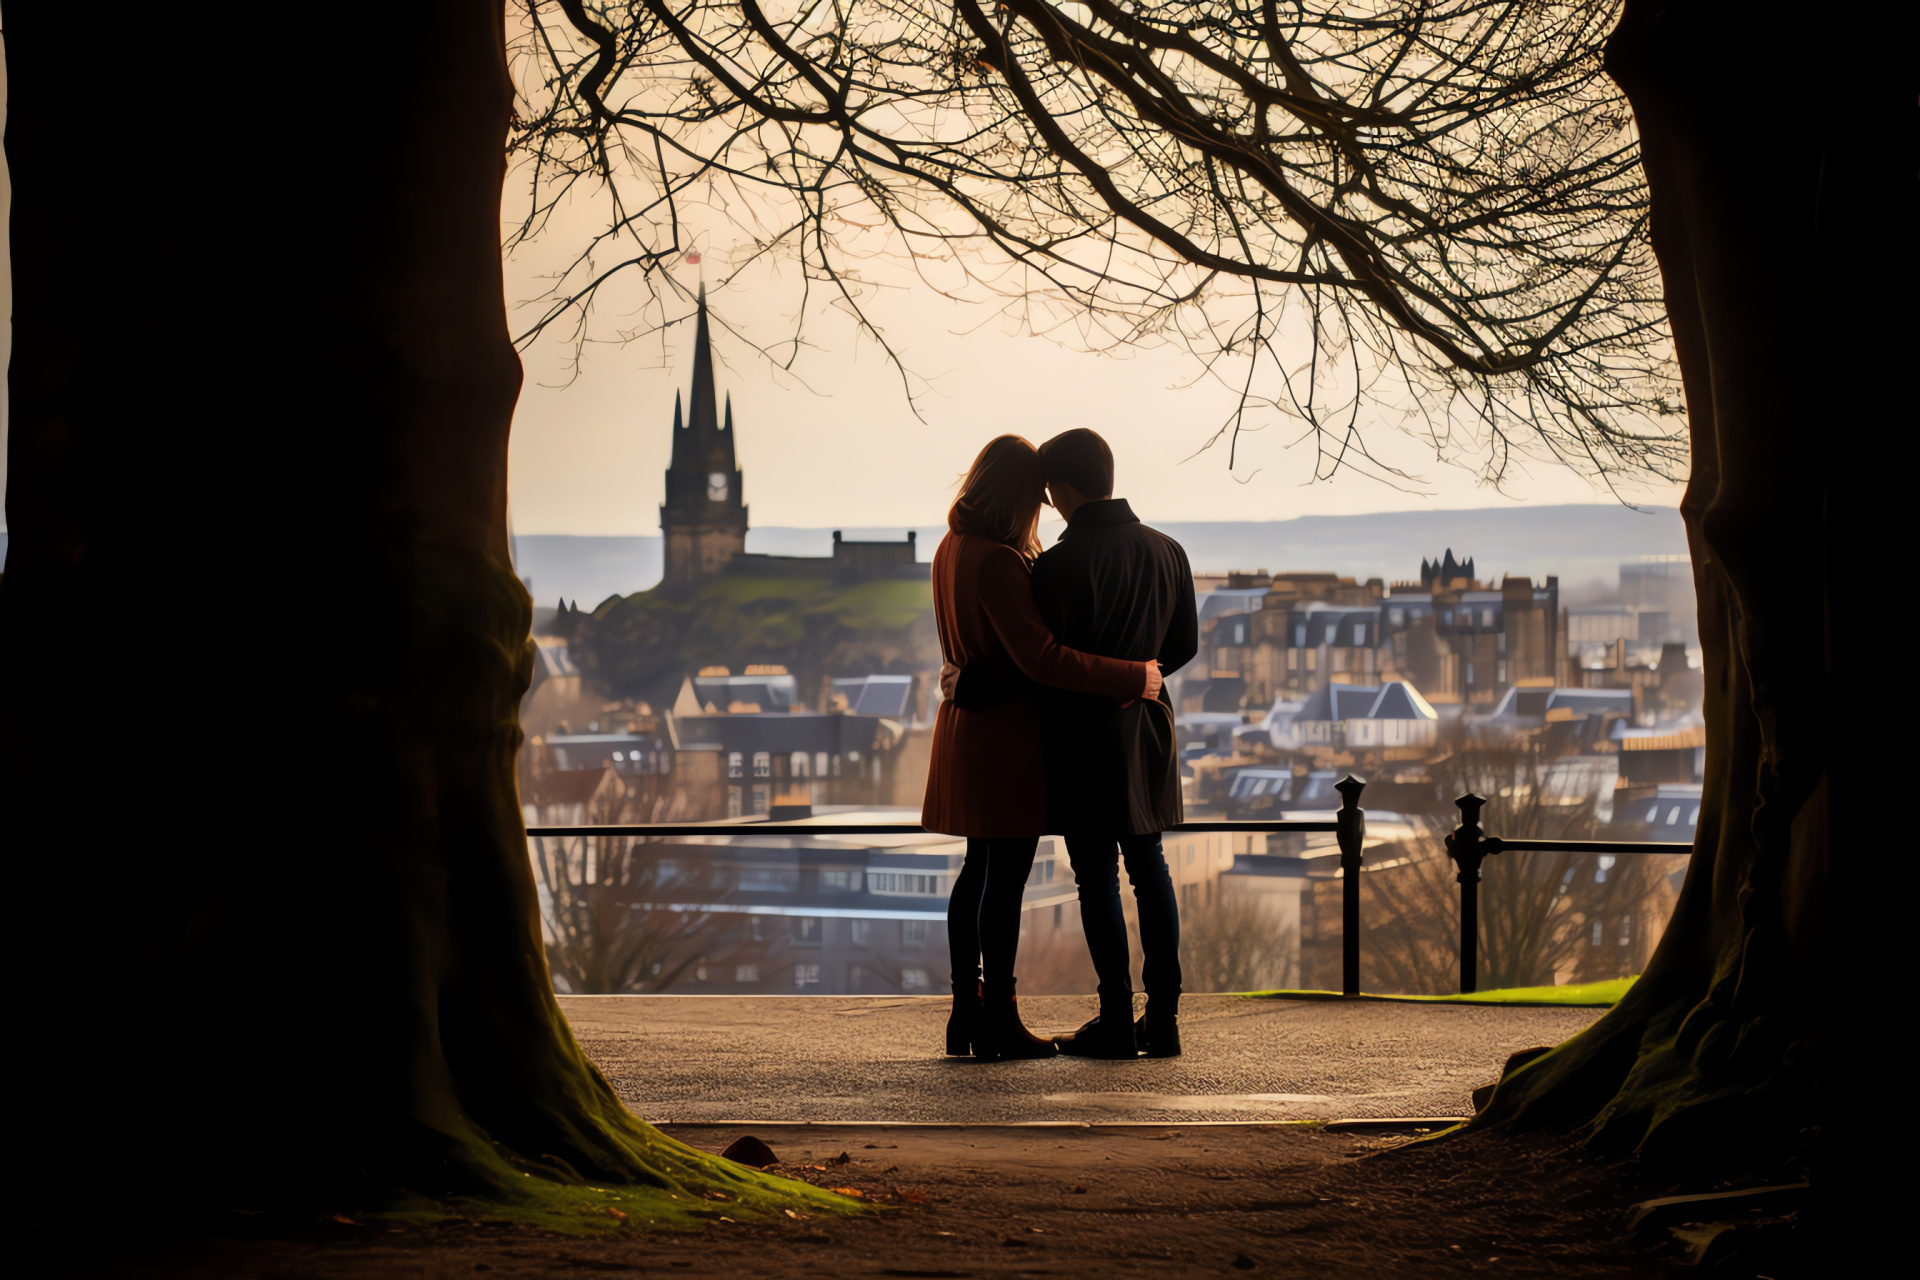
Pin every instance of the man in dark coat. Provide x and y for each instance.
(1114, 587)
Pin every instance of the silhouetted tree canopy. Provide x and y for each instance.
(1429, 214)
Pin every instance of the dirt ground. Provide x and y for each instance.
(963, 1201)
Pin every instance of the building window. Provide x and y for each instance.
(746, 973)
(700, 969)
(806, 928)
(1486, 618)
(902, 882)
(762, 764)
(799, 766)
(861, 932)
(1332, 627)
(1599, 932)
(1058, 915)
(913, 933)
(761, 803)
(1500, 671)
(820, 764)
(848, 880)
(805, 975)
(1397, 617)
(916, 980)
(716, 486)
(1626, 931)
(1469, 673)
(1300, 637)
(769, 880)
(1359, 633)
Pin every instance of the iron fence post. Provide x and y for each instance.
(1352, 835)
(1468, 849)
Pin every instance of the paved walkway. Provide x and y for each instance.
(825, 1058)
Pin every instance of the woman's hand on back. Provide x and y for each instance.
(1154, 680)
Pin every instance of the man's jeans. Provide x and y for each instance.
(1096, 866)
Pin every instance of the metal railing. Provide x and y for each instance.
(1468, 846)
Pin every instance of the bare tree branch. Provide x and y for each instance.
(1429, 210)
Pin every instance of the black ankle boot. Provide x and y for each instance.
(1108, 1034)
(1003, 1034)
(1158, 1031)
(963, 1024)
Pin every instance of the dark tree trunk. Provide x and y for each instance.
(1714, 1062)
(263, 644)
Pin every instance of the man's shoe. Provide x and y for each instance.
(1158, 1039)
(1111, 1039)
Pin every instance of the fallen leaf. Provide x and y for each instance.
(615, 1213)
(855, 1192)
(716, 1195)
(341, 1217)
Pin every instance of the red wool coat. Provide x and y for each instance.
(988, 773)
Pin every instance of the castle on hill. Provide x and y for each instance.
(704, 517)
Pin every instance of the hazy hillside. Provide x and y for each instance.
(641, 646)
(1584, 544)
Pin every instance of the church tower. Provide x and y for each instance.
(703, 519)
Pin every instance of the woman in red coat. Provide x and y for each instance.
(987, 779)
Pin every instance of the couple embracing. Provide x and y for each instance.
(1056, 721)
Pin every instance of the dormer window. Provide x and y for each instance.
(716, 486)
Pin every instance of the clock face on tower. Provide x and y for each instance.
(716, 486)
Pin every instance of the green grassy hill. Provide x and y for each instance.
(640, 646)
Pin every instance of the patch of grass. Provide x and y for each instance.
(1579, 995)
(887, 605)
(728, 1193)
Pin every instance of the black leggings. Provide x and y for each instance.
(983, 915)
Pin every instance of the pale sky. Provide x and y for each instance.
(843, 446)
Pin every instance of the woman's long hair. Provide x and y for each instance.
(1001, 495)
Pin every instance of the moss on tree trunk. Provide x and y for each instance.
(263, 642)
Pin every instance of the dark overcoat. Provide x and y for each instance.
(1111, 585)
(988, 773)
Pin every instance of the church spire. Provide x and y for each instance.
(703, 416)
(703, 518)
